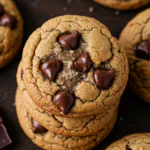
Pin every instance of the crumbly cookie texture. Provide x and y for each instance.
(46, 45)
(136, 31)
(11, 31)
(123, 4)
(51, 141)
(139, 141)
(65, 126)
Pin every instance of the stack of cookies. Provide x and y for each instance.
(70, 80)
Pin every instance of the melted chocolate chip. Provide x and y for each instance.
(37, 128)
(51, 68)
(83, 63)
(1, 9)
(70, 41)
(103, 77)
(64, 101)
(143, 50)
(128, 148)
(8, 21)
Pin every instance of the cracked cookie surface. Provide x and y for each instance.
(139, 141)
(104, 52)
(51, 141)
(123, 4)
(11, 31)
(137, 31)
(65, 126)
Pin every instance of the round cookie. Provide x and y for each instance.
(73, 67)
(65, 126)
(123, 4)
(139, 141)
(135, 38)
(50, 141)
(11, 31)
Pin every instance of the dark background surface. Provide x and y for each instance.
(133, 113)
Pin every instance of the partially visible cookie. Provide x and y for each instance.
(123, 4)
(50, 141)
(139, 141)
(66, 126)
(11, 31)
(135, 38)
(74, 67)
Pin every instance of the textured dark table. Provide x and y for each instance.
(133, 113)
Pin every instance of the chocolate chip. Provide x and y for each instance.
(37, 128)
(4, 137)
(51, 68)
(128, 147)
(103, 77)
(8, 21)
(83, 63)
(1, 9)
(143, 50)
(70, 41)
(64, 101)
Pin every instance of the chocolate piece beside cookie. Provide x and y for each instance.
(4, 137)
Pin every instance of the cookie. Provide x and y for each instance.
(65, 126)
(123, 4)
(11, 31)
(73, 67)
(139, 141)
(50, 141)
(135, 38)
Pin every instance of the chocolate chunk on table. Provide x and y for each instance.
(4, 137)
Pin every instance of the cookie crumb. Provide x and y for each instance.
(69, 1)
(105, 18)
(65, 9)
(121, 118)
(91, 9)
(117, 12)
(14, 104)
(5, 94)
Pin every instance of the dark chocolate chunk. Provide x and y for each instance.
(103, 77)
(37, 128)
(51, 68)
(8, 21)
(1, 9)
(70, 41)
(4, 137)
(83, 63)
(64, 101)
(143, 50)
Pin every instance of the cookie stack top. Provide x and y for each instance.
(72, 66)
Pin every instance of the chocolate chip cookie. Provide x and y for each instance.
(50, 141)
(11, 31)
(139, 141)
(135, 38)
(64, 126)
(74, 67)
(123, 4)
